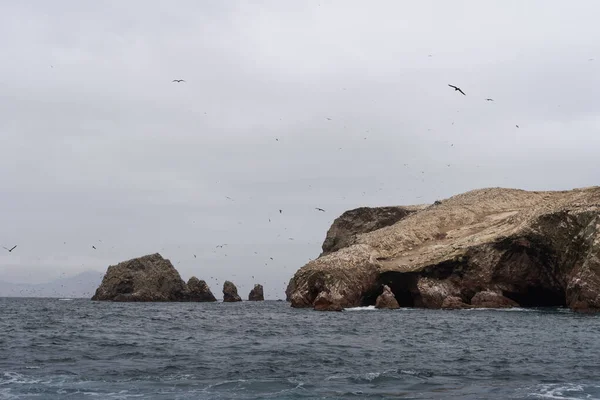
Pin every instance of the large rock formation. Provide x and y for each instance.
(387, 299)
(257, 294)
(148, 278)
(230, 293)
(484, 248)
(199, 291)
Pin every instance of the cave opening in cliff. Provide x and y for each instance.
(537, 296)
(530, 273)
(403, 285)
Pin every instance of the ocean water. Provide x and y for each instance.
(79, 349)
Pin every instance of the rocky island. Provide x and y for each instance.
(150, 278)
(230, 293)
(257, 293)
(484, 248)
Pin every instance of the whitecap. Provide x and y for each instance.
(14, 377)
(372, 375)
(65, 299)
(563, 391)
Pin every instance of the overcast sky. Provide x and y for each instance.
(287, 105)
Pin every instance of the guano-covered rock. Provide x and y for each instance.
(485, 248)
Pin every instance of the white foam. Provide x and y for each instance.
(513, 309)
(563, 391)
(65, 299)
(372, 375)
(367, 308)
(14, 377)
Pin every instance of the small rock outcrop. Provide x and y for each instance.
(489, 299)
(230, 293)
(326, 301)
(199, 291)
(147, 278)
(387, 299)
(485, 248)
(454, 303)
(256, 294)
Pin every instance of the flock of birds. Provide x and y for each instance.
(319, 209)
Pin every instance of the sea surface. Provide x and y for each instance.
(79, 349)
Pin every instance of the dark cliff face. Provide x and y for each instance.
(486, 248)
(147, 278)
(347, 226)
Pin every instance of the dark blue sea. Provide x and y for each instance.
(79, 349)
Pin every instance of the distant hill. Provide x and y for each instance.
(82, 285)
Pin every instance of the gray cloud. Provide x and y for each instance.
(98, 144)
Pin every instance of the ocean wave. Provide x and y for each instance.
(566, 391)
(371, 377)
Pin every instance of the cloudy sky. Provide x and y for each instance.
(287, 105)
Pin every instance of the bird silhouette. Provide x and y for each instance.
(178, 80)
(94, 247)
(280, 211)
(517, 126)
(319, 209)
(489, 99)
(10, 250)
(456, 88)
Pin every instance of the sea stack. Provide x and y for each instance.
(147, 278)
(199, 291)
(256, 294)
(489, 247)
(387, 299)
(230, 293)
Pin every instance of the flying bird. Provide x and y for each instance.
(319, 209)
(10, 250)
(489, 99)
(178, 80)
(94, 247)
(221, 245)
(456, 88)
(280, 211)
(328, 119)
(517, 126)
